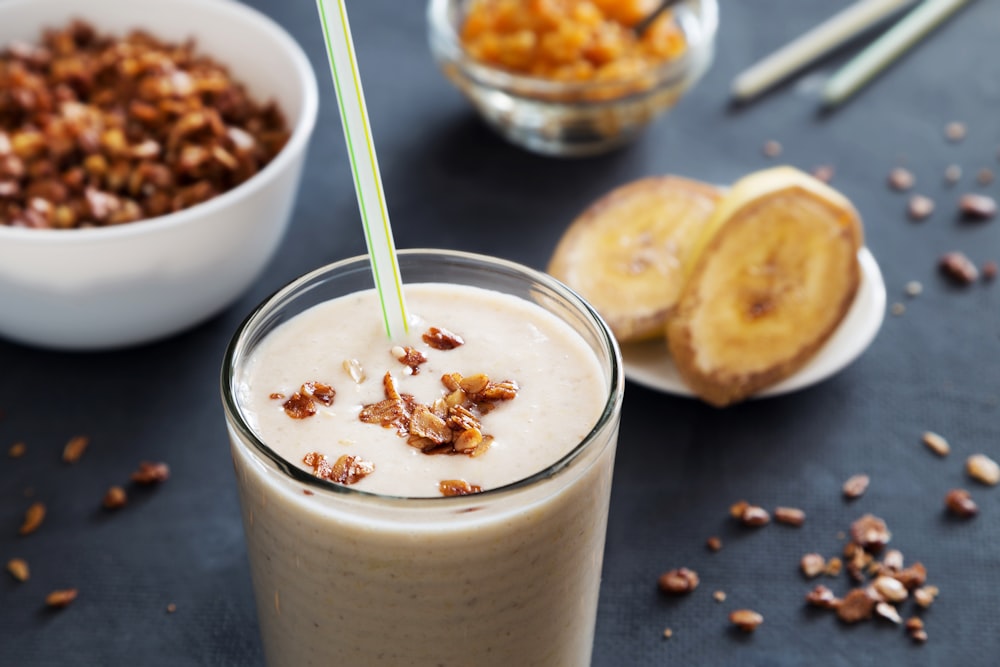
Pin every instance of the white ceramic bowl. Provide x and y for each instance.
(108, 287)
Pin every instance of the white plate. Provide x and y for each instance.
(649, 363)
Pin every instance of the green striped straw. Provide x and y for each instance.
(364, 165)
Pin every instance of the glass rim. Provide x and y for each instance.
(678, 68)
(607, 343)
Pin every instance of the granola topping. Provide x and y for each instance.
(442, 339)
(457, 487)
(346, 470)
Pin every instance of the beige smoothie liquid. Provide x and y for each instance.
(494, 577)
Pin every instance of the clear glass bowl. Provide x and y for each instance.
(572, 118)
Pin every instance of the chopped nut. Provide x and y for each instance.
(114, 498)
(679, 581)
(755, 516)
(936, 443)
(888, 612)
(17, 450)
(812, 565)
(919, 636)
(920, 207)
(890, 589)
(33, 518)
(983, 469)
(870, 532)
(856, 606)
(893, 560)
(442, 339)
(354, 369)
(410, 357)
(954, 131)
(736, 509)
(912, 577)
(321, 466)
(18, 568)
(925, 595)
(350, 469)
(151, 473)
(901, 179)
(960, 503)
(60, 598)
(959, 268)
(981, 207)
(772, 148)
(914, 623)
(855, 486)
(713, 543)
(75, 448)
(299, 406)
(719, 596)
(791, 516)
(746, 620)
(821, 596)
(914, 288)
(833, 566)
(458, 487)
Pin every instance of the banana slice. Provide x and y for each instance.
(768, 281)
(625, 253)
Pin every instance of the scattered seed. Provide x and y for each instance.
(920, 207)
(114, 498)
(719, 596)
(855, 486)
(713, 543)
(936, 443)
(746, 620)
(914, 623)
(354, 369)
(901, 179)
(60, 598)
(171, 608)
(919, 636)
(33, 518)
(17, 450)
(888, 612)
(791, 516)
(914, 288)
(812, 565)
(772, 148)
(856, 606)
(983, 469)
(897, 309)
(755, 516)
(954, 131)
(985, 176)
(679, 581)
(833, 566)
(952, 174)
(958, 267)
(960, 503)
(980, 207)
(151, 473)
(75, 448)
(990, 270)
(18, 568)
(667, 633)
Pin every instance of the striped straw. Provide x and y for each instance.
(364, 164)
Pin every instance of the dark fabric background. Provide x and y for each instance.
(451, 183)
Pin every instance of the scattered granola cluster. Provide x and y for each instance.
(449, 425)
(98, 130)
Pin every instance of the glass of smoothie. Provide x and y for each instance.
(436, 499)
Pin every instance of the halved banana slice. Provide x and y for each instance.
(769, 280)
(625, 253)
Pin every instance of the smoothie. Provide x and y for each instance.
(484, 549)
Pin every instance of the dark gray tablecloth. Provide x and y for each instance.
(451, 183)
